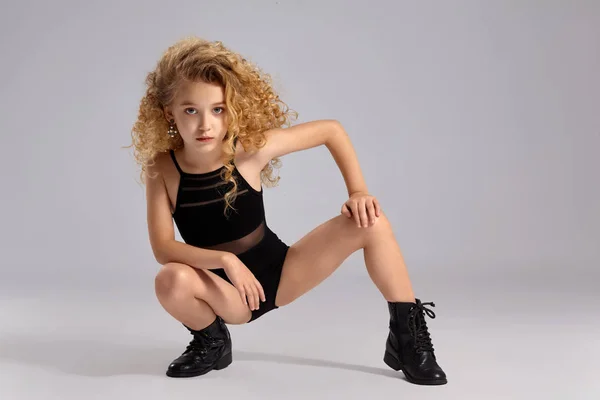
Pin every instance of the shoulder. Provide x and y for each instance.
(158, 162)
(159, 166)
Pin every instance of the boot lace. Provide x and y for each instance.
(202, 344)
(418, 327)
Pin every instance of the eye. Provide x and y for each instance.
(219, 108)
(188, 109)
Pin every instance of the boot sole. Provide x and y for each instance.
(396, 365)
(221, 364)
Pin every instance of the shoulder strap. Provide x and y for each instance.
(175, 162)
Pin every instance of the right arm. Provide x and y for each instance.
(162, 231)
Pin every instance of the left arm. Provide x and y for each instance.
(282, 141)
(340, 147)
(361, 206)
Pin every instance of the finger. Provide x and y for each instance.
(371, 212)
(249, 297)
(255, 302)
(345, 211)
(377, 207)
(261, 291)
(355, 213)
(364, 218)
(243, 295)
(256, 297)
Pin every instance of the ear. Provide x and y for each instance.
(168, 114)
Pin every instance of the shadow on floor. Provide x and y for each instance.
(97, 358)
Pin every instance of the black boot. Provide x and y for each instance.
(409, 346)
(209, 349)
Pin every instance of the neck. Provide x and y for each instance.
(201, 160)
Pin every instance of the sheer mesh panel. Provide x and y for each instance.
(241, 245)
(201, 203)
(192, 188)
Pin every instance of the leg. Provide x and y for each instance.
(194, 296)
(317, 255)
(321, 252)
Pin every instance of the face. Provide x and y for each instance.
(199, 111)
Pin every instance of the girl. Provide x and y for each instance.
(209, 131)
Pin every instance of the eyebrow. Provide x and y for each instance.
(191, 103)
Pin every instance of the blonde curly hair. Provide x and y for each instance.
(253, 107)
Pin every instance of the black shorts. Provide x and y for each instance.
(265, 260)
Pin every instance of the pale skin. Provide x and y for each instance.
(193, 294)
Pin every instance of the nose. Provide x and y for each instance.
(204, 124)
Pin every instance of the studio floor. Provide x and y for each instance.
(495, 340)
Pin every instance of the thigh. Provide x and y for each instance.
(318, 254)
(205, 285)
(224, 298)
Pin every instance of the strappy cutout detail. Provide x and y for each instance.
(205, 188)
(200, 176)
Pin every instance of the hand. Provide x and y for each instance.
(244, 281)
(363, 207)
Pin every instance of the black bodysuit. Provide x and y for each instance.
(201, 222)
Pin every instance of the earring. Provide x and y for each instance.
(172, 129)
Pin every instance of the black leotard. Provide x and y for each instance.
(201, 222)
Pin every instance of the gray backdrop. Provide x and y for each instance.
(475, 124)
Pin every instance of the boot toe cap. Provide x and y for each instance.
(437, 375)
(183, 368)
(434, 375)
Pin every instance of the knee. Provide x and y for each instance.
(382, 223)
(173, 279)
(381, 226)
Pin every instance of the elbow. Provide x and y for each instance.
(336, 126)
(335, 131)
(161, 254)
(160, 258)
